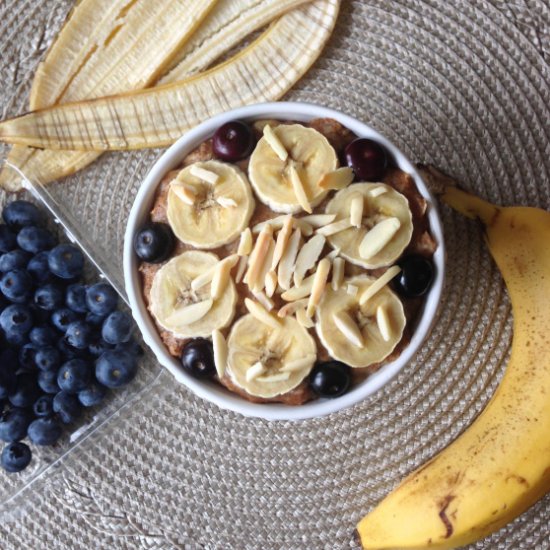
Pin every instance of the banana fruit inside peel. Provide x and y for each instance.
(500, 465)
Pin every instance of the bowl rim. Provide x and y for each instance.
(214, 392)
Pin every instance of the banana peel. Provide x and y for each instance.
(263, 71)
(500, 465)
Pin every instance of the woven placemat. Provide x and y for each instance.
(461, 84)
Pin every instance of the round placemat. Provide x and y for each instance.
(463, 85)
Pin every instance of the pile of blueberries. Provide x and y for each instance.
(62, 343)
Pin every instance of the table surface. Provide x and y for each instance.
(461, 84)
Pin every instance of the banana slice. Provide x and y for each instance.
(188, 312)
(266, 361)
(386, 225)
(290, 183)
(359, 335)
(209, 204)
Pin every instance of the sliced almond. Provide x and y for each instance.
(221, 276)
(318, 220)
(348, 327)
(298, 364)
(204, 175)
(333, 228)
(279, 377)
(383, 322)
(319, 285)
(303, 319)
(226, 202)
(270, 283)
(307, 257)
(260, 313)
(352, 290)
(334, 254)
(356, 210)
(282, 241)
(204, 278)
(338, 179)
(187, 315)
(338, 267)
(184, 193)
(377, 191)
(243, 262)
(275, 143)
(264, 300)
(220, 352)
(277, 223)
(245, 243)
(262, 276)
(286, 264)
(298, 187)
(258, 256)
(378, 237)
(379, 284)
(292, 307)
(257, 369)
(300, 291)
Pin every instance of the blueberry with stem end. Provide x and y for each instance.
(330, 379)
(154, 242)
(15, 457)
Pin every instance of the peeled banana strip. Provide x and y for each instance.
(205, 214)
(106, 47)
(263, 71)
(286, 166)
(384, 232)
(184, 311)
(359, 335)
(269, 360)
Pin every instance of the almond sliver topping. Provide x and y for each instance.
(282, 241)
(221, 276)
(279, 377)
(338, 179)
(299, 190)
(286, 263)
(220, 352)
(334, 254)
(204, 278)
(258, 256)
(307, 257)
(257, 369)
(264, 300)
(377, 191)
(333, 228)
(303, 319)
(245, 243)
(277, 223)
(356, 210)
(318, 287)
(378, 237)
(226, 202)
(292, 307)
(338, 273)
(298, 364)
(187, 315)
(275, 143)
(383, 322)
(347, 326)
(184, 193)
(318, 220)
(379, 284)
(270, 283)
(300, 291)
(260, 313)
(352, 290)
(243, 262)
(204, 175)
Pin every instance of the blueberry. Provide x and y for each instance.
(131, 347)
(14, 424)
(44, 431)
(101, 299)
(67, 406)
(117, 328)
(43, 406)
(97, 347)
(38, 268)
(197, 357)
(233, 141)
(49, 297)
(15, 457)
(66, 261)
(47, 380)
(20, 213)
(330, 379)
(26, 390)
(27, 357)
(92, 395)
(415, 278)
(74, 375)
(75, 298)
(16, 319)
(63, 317)
(35, 239)
(68, 352)
(16, 339)
(95, 320)
(154, 242)
(79, 334)
(17, 286)
(115, 369)
(8, 240)
(16, 259)
(43, 336)
(47, 358)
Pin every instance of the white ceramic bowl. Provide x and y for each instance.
(210, 390)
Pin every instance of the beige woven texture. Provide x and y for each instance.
(461, 84)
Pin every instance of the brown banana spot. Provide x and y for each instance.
(444, 504)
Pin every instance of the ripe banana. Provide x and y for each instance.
(209, 204)
(500, 465)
